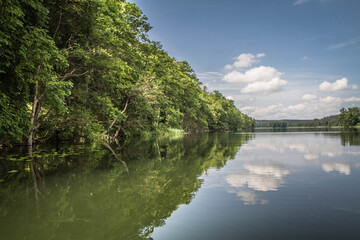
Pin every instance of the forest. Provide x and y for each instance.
(81, 70)
(347, 118)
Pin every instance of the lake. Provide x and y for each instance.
(261, 185)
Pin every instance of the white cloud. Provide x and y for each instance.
(228, 67)
(262, 112)
(309, 97)
(261, 79)
(245, 60)
(330, 99)
(354, 87)
(345, 43)
(230, 98)
(340, 84)
(297, 2)
(305, 58)
(234, 77)
(273, 85)
(276, 111)
(297, 107)
(257, 74)
(352, 99)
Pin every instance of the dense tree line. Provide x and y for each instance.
(349, 117)
(77, 69)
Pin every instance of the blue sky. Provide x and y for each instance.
(280, 59)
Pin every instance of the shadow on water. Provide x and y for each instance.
(102, 191)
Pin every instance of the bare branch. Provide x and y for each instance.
(43, 117)
(126, 104)
(112, 124)
(58, 25)
(115, 155)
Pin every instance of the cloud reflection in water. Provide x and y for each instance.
(265, 162)
(260, 178)
(341, 168)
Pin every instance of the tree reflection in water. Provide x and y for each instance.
(90, 194)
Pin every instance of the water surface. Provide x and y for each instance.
(274, 185)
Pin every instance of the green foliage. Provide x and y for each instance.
(278, 124)
(223, 115)
(86, 68)
(323, 122)
(349, 117)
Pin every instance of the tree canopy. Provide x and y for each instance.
(78, 69)
(349, 117)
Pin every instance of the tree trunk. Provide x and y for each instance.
(35, 111)
(117, 132)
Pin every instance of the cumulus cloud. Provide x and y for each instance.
(309, 97)
(352, 99)
(245, 60)
(339, 84)
(265, 87)
(297, 107)
(276, 111)
(261, 79)
(330, 99)
(312, 107)
(257, 74)
(230, 98)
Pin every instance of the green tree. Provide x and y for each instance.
(349, 117)
(30, 66)
(79, 69)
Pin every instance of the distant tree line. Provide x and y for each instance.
(77, 69)
(278, 124)
(347, 118)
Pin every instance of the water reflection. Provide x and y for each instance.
(341, 168)
(262, 181)
(249, 197)
(351, 138)
(261, 178)
(266, 161)
(323, 149)
(108, 192)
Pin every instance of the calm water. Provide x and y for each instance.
(285, 185)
